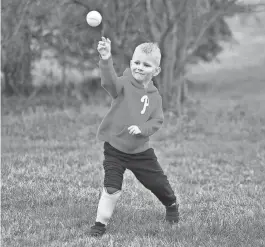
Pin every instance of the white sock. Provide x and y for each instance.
(106, 206)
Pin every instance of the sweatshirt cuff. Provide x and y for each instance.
(105, 62)
(144, 131)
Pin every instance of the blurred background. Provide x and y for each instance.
(49, 57)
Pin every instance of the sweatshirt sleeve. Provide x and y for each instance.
(155, 122)
(109, 79)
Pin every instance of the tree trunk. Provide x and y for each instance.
(179, 66)
(17, 63)
(167, 79)
(172, 80)
(26, 60)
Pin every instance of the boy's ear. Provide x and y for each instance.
(157, 71)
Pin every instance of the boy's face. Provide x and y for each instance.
(143, 66)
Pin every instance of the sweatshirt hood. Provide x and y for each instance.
(150, 89)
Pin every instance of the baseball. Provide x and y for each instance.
(93, 18)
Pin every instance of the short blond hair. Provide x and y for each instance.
(152, 49)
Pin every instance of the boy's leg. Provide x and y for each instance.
(111, 192)
(148, 171)
(107, 205)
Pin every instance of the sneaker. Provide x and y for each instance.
(172, 213)
(98, 229)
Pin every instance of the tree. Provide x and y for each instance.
(187, 31)
(16, 52)
(20, 22)
(184, 30)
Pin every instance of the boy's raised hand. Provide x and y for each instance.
(104, 48)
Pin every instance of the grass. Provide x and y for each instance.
(51, 173)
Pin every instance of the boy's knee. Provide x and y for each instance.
(111, 190)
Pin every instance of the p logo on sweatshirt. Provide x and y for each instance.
(145, 100)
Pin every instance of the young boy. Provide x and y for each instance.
(135, 114)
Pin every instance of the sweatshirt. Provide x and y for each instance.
(132, 104)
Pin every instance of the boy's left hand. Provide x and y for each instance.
(134, 130)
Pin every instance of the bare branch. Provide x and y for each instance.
(203, 30)
(151, 19)
(170, 9)
(125, 23)
(173, 12)
(81, 3)
(214, 16)
(19, 23)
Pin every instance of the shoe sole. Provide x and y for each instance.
(97, 232)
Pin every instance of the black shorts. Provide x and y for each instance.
(144, 166)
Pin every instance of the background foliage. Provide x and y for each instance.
(186, 31)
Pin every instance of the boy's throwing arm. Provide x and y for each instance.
(109, 79)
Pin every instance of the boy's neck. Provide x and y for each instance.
(145, 84)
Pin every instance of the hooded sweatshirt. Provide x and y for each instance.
(132, 104)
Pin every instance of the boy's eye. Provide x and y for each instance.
(145, 64)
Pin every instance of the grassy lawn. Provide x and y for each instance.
(52, 175)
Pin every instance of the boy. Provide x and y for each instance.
(136, 113)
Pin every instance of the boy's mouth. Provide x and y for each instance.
(139, 73)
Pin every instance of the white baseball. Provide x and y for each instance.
(93, 18)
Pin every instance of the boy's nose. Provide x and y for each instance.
(140, 67)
